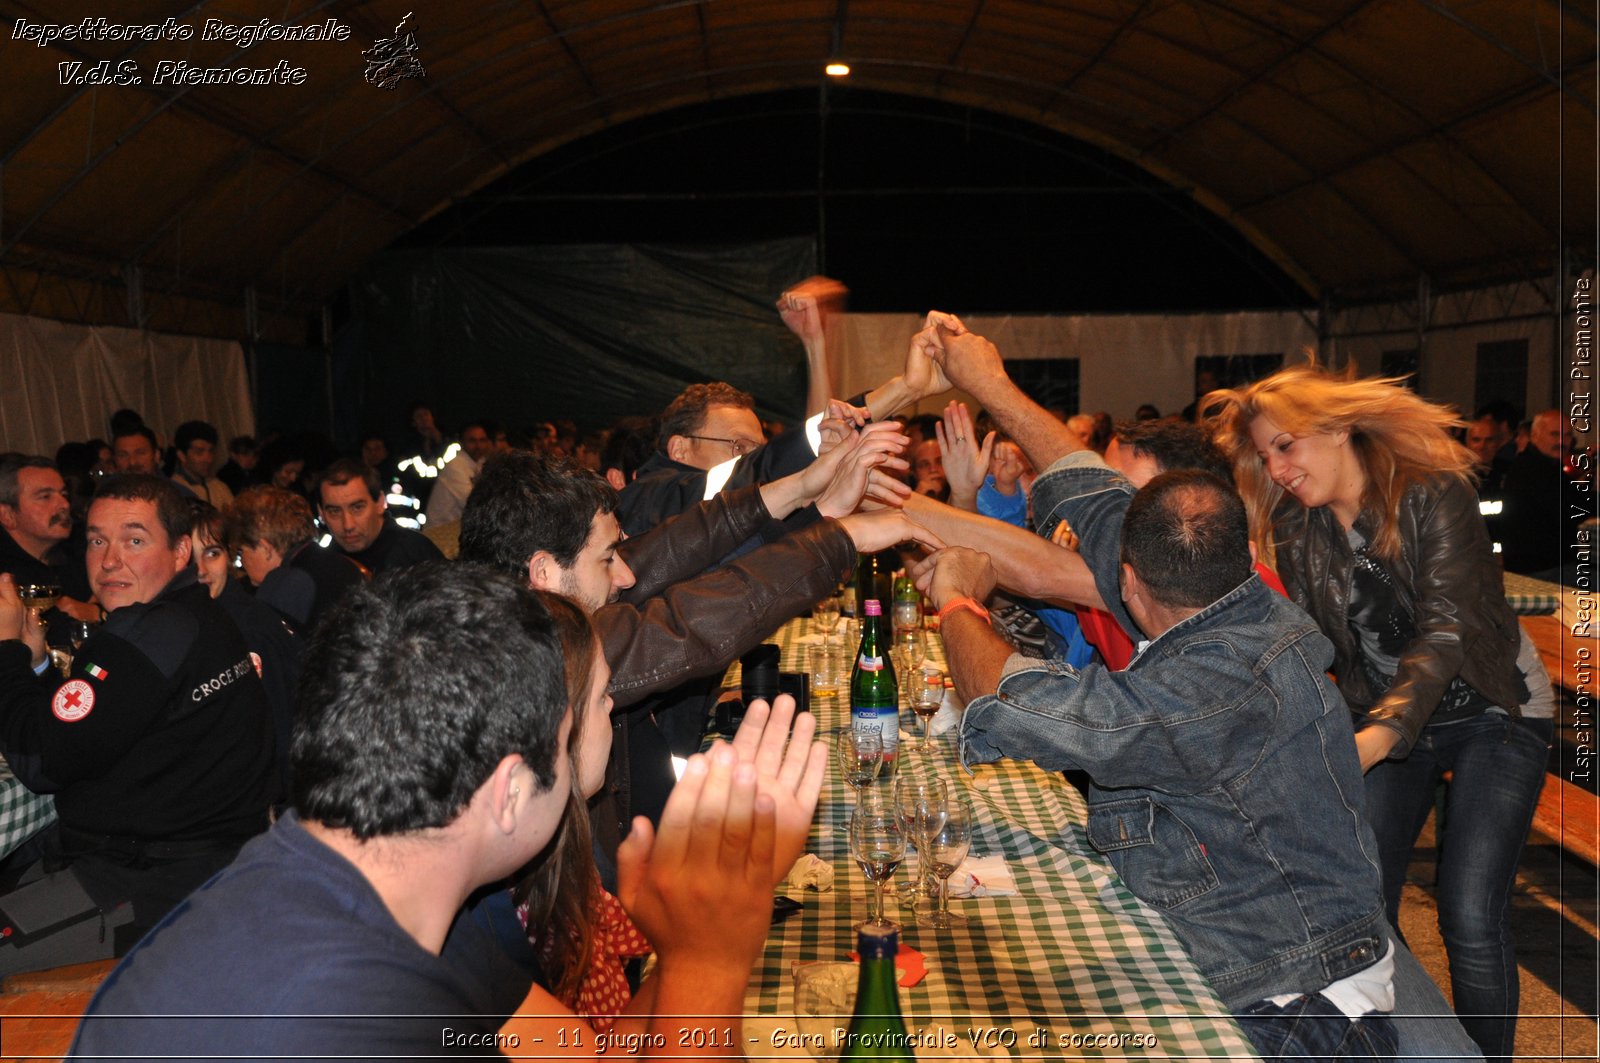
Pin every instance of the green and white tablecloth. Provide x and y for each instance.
(1073, 959)
(23, 813)
(1531, 597)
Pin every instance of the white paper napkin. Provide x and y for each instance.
(983, 876)
(811, 872)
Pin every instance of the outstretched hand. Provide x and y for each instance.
(883, 528)
(790, 769)
(712, 853)
(876, 446)
(923, 374)
(954, 572)
(967, 359)
(966, 460)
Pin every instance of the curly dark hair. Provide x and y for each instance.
(686, 414)
(523, 502)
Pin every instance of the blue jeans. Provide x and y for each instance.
(1311, 1028)
(1499, 767)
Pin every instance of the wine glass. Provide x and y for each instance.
(878, 843)
(79, 632)
(910, 650)
(946, 848)
(926, 698)
(920, 801)
(860, 755)
(825, 615)
(41, 597)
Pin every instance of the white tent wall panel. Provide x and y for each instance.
(61, 382)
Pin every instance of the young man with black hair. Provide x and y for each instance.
(431, 760)
(196, 446)
(664, 613)
(158, 748)
(354, 507)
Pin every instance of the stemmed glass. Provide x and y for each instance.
(912, 650)
(825, 615)
(40, 597)
(946, 848)
(926, 698)
(80, 630)
(878, 843)
(860, 756)
(921, 802)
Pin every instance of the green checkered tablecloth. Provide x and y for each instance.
(23, 813)
(1532, 597)
(1073, 959)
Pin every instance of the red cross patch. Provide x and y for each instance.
(73, 701)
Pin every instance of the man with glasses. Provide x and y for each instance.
(703, 431)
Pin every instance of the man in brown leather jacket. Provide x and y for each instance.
(661, 615)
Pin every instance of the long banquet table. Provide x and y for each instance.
(1073, 959)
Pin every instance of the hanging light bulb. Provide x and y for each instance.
(837, 70)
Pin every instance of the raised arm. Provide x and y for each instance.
(1023, 562)
(973, 364)
(805, 308)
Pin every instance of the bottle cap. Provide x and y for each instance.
(878, 942)
(874, 607)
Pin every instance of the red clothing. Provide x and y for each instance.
(1102, 631)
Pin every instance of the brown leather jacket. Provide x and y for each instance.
(1447, 579)
(679, 621)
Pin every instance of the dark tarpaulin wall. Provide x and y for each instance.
(589, 332)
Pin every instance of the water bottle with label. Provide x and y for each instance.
(874, 694)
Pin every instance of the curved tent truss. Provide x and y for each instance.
(1360, 144)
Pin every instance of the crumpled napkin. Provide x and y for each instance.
(811, 872)
(948, 716)
(983, 876)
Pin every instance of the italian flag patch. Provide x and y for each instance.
(96, 672)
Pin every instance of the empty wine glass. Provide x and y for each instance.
(921, 801)
(79, 631)
(911, 651)
(825, 615)
(946, 848)
(860, 755)
(878, 843)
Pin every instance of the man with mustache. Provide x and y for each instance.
(35, 520)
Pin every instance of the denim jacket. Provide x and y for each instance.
(1227, 792)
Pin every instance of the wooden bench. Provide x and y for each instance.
(1571, 816)
(39, 1010)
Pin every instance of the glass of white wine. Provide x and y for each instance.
(878, 843)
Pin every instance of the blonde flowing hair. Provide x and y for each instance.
(1399, 437)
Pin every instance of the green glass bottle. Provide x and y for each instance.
(907, 614)
(874, 694)
(875, 577)
(876, 1029)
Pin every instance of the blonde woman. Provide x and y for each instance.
(1370, 508)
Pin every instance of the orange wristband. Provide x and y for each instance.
(964, 602)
